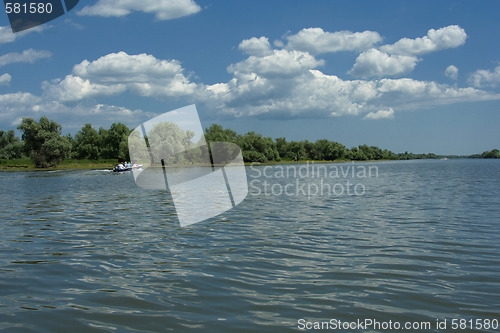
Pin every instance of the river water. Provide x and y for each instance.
(412, 242)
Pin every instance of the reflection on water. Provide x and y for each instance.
(91, 251)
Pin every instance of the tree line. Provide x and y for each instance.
(495, 153)
(256, 148)
(46, 146)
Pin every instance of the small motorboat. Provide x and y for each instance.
(123, 169)
(117, 169)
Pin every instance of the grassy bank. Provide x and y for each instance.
(312, 161)
(18, 163)
(26, 164)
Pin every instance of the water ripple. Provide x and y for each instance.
(89, 251)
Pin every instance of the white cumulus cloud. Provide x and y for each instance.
(116, 73)
(380, 114)
(444, 38)
(162, 9)
(15, 106)
(18, 98)
(280, 63)
(5, 79)
(375, 63)
(74, 88)
(451, 72)
(484, 77)
(315, 94)
(317, 41)
(401, 57)
(29, 55)
(256, 46)
(7, 36)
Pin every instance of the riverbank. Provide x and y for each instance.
(25, 164)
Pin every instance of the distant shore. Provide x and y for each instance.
(27, 165)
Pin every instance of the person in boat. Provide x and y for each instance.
(120, 166)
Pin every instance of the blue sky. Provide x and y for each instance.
(421, 76)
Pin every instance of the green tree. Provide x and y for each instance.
(114, 142)
(43, 142)
(10, 145)
(215, 133)
(491, 154)
(283, 148)
(87, 143)
(72, 142)
(366, 153)
(328, 150)
(357, 154)
(309, 148)
(297, 151)
(389, 155)
(256, 148)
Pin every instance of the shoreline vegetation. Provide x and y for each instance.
(43, 147)
(27, 165)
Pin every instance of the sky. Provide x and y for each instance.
(405, 76)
